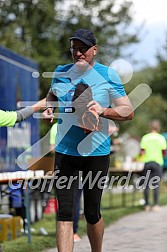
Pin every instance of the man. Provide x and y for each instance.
(9, 118)
(153, 147)
(80, 148)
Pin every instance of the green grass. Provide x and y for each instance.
(112, 210)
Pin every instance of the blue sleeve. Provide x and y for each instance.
(116, 89)
(58, 69)
(62, 77)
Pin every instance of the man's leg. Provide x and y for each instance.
(156, 173)
(147, 174)
(97, 168)
(66, 185)
(95, 234)
(146, 196)
(64, 236)
(77, 216)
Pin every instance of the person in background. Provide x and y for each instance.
(153, 147)
(52, 139)
(9, 118)
(53, 132)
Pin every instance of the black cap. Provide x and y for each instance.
(85, 36)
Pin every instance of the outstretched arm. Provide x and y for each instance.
(9, 118)
(22, 114)
(39, 105)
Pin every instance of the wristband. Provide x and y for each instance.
(53, 108)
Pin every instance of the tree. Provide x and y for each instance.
(28, 28)
(155, 107)
(40, 29)
(107, 19)
(159, 77)
(37, 27)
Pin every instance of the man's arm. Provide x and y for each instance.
(122, 111)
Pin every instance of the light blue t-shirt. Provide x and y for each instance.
(106, 85)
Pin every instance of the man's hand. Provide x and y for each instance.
(122, 111)
(48, 115)
(95, 106)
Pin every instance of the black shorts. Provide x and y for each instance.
(68, 173)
